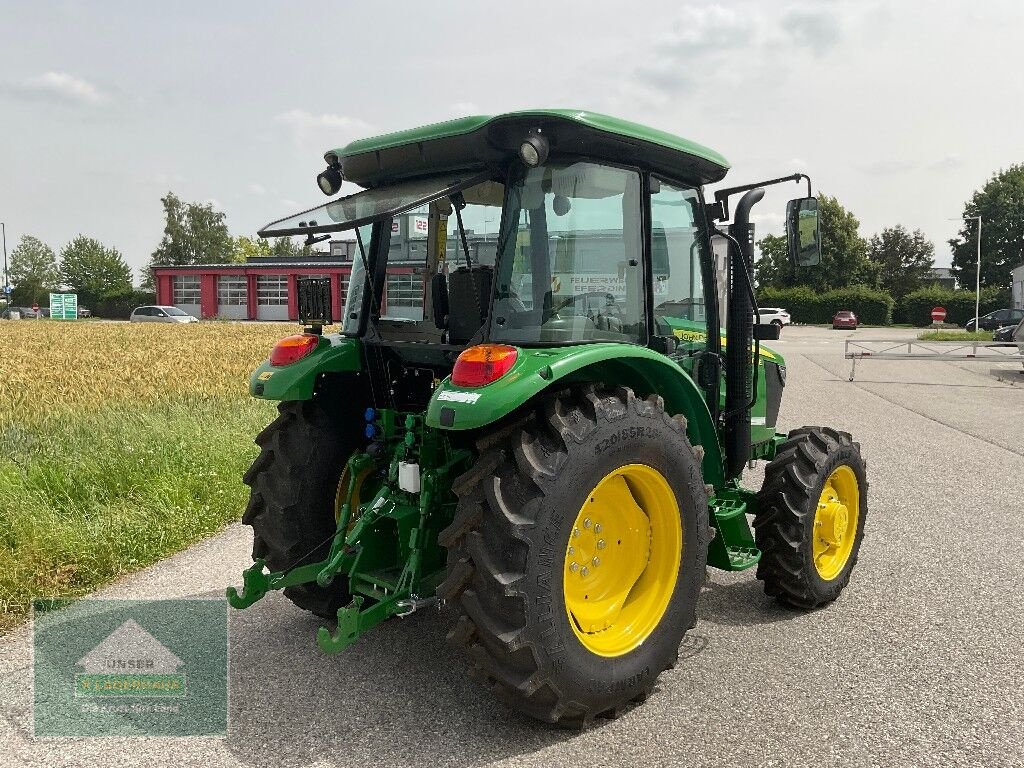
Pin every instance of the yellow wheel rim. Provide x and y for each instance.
(357, 495)
(835, 522)
(622, 560)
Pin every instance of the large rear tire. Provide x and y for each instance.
(577, 554)
(293, 488)
(810, 520)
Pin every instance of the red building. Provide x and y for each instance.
(260, 289)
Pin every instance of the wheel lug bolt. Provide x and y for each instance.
(586, 522)
(584, 571)
(596, 561)
(575, 531)
(572, 550)
(600, 544)
(597, 527)
(573, 567)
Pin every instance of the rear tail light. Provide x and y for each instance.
(482, 364)
(293, 348)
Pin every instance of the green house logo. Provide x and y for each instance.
(130, 663)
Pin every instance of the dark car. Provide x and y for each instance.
(844, 318)
(1004, 334)
(995, 320)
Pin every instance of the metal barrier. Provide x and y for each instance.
(943, 351)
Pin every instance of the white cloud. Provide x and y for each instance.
(59, 87)
(257, 189)
(946, 163)
(464, 109)
(324, 130)
(818, 29)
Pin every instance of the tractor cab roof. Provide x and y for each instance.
(482, 140)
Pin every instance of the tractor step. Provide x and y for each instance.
(733, 549)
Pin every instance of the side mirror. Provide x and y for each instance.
(803, 234)
(768, 332)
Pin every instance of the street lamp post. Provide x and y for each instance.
(977, 275)
(7, 291)
(977, 278)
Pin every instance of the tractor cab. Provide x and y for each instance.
(532, 230)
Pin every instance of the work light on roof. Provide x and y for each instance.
(534, 149)
(330, 180)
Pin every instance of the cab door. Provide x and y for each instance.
(679, 252)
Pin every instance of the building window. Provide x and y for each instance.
(343, 289)
(186, 289)
(405, 290)
(272, 290)
(232, 291)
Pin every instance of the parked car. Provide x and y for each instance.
(160, 314)
(1004, 334)
(773, 316)
(844, 318)
(997, 319)
(84, 312)
(27, 313)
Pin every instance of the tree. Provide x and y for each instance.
(773, 269)
(843, 259)
(194, 233)
(246, 248)
(33, 271)
(843, 250)
(902, 259)
(286, 248)
(93, 271)
(1000, 203)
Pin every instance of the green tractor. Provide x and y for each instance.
(537, 407)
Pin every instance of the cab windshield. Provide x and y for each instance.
(571, 267)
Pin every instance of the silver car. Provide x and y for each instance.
(160, 314)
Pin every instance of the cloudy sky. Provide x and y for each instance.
(899, 109)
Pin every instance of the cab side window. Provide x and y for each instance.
(677, 252)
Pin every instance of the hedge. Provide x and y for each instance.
(119, 306)
(916, 307)
(805, 305)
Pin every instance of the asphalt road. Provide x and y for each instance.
(918, 663)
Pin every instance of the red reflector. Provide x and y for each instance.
(293, 348)
(482, 364)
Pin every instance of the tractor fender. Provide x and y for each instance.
(536, 371)
(333, 354)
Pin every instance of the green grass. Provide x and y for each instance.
(955, 336)
(101, 492)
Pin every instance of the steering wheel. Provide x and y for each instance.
(610, 303)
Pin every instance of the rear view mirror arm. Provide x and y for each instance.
(719, 210)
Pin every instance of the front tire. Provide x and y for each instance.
(293, 488)
(526, 554)
(811, 514)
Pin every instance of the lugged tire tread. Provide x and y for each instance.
(533, 450)
(784, 503)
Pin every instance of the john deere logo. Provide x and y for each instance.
(130, 662)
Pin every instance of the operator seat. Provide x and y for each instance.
(469, 292)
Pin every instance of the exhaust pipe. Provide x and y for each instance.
(739, 337)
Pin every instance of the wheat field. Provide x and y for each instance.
(119, 445)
